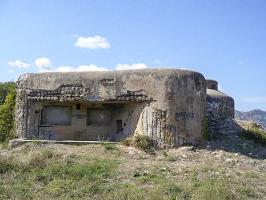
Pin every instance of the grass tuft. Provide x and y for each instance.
(109, 147)
(144, 143)
(127, 141)
(256, 134)
(7, 164)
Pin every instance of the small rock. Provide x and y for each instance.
(145, 173)
(186, 148)
(262, 167)
(163, 168)
(229, 160)
(218, 156)
(252, 162)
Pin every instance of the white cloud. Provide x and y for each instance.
(91, 68)
(97, 68)
(64, 69)
(19, 64)
(95, 42)
(11, 71)
(183, 68)
(133, 66)
(43, 64)
(80, 68)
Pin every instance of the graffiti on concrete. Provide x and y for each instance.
(46, 133)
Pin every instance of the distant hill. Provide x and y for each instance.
(258, 116)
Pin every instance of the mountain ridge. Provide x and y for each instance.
(256, 115)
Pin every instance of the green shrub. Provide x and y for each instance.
(5, 89)
(127, 141)
(256, 134)
(7, 115)
(145, 143)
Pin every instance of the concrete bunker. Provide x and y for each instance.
(219, 106)
(166, 104)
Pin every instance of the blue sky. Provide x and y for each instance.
(223, 39)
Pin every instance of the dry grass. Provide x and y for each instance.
(120, 172)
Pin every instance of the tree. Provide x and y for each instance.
(5, 89)
(7, 115)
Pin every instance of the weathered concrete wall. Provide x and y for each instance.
(212, 84)
(166, 104)
(178, 117)
(218, 105)
(219, 110)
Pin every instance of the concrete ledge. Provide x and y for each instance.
(18, 142)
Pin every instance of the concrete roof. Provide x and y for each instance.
(217, 94)
(52, 80)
